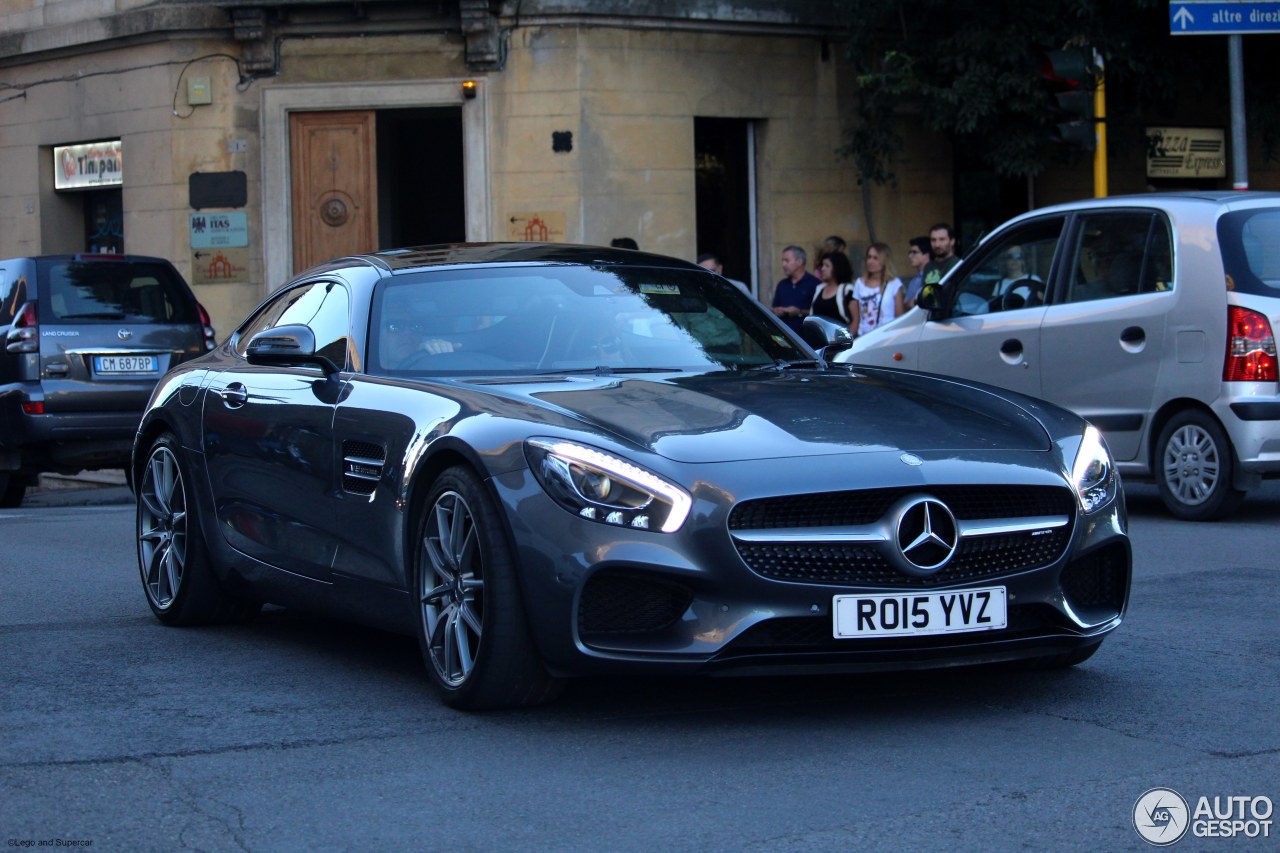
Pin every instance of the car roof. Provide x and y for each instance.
(1163, 199)
(455, 254)
(90, 256)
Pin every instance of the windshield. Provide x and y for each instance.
(1250, 241)
(111, 291)
(556, 319)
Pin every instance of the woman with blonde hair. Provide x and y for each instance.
(878, 291)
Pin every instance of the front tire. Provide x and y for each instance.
(177, 574)
(1194, 466)
(471, 624)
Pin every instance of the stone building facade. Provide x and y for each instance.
(255, 138)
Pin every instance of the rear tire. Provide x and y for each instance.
(13, 488)
(177, 573)
(472, 627)
(1194, 467)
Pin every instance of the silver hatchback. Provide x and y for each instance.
(1151, 315)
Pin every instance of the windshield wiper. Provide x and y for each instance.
(606, 370)
(781, 364)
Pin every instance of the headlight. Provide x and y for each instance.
(1093, 474)
(601, 487)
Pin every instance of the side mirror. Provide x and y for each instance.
(288, 345)
(931, 302)
(823, 334)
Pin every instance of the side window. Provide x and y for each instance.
(1109, 256)
(269, 315)
(321, 305)
(1011, 271)
(7, 308)
(1157, 275)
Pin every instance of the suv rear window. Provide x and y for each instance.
(83, 291)
(1250, 241)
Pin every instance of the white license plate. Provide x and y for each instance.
(124, 364)
(907, 614)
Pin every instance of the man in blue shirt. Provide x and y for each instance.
(793, 295)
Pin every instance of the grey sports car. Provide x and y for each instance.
(549, 460)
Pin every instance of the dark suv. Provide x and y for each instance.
(85, 339)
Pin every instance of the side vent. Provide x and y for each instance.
(361, 466)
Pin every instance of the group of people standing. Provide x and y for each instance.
(872, 298)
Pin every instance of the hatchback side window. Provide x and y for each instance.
(1109, 256)
(1010, 272)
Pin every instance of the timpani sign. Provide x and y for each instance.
(88, 166)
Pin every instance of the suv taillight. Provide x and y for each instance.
(24, 334)
(1251, 347)
(210, 337)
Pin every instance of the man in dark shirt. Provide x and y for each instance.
(942, 245)
(793, 295)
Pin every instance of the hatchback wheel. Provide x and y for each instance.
(1194, 468)
(472, 627)
(176, 573)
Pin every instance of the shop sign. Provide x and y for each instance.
(88, 166)
(219, 230)
(1186, 152)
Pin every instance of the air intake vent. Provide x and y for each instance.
(361, 466)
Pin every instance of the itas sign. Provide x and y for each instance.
(1186, 152)
(219, 230)
(88, 166)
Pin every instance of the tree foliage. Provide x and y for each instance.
(971, 69)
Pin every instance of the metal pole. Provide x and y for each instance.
(1239, 144)
(1100, 125)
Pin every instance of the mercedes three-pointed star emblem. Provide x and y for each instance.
(926, 534)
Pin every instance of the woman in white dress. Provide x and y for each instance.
(878, 291)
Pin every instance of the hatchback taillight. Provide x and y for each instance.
(1251, 347)
(24, 334)
(210, 337)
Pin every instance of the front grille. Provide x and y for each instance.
(1097, 580)
(861, 564)
(620, 603)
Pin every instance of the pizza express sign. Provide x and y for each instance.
(88, 166)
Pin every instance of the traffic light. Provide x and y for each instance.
(1072, 75)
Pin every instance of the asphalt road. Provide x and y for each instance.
(298, 733)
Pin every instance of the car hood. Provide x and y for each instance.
(721, 417)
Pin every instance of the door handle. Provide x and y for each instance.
(1133, 335)
(234, 395)
(1011, 347)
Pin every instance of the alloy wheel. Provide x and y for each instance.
(1191, 465)
(451, 587)
(162, 528)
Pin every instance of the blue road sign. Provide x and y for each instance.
(1201, 18)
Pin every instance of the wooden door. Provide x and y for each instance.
(333, 157)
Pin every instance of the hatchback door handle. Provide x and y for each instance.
(1133, 335)
(234, 395)
(1012, 346)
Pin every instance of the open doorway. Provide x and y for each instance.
(421, 199)
(725, 198)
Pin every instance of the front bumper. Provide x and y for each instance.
(604, 599)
